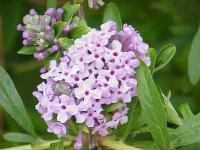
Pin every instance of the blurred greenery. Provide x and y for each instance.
(159, 22)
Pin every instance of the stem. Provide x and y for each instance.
(117, 145)
(41, 146)
(80, 12)
(107, 142)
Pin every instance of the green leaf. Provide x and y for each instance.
(56, 56)
(164, 56)
(57, 146)
(194, 59)
(188, 133)
(51, 3)
(133, 115)
(172, 115)
(65, 42)
(145, 145)
(78, 31)
(152, 106)
(58, 27)
(27, 50)
(186, 111)
(111, 13)
(73, 129)
(83, 127)
(152, 54)
(69, 11)
(19, 137)
(12, 103)
(112, 107)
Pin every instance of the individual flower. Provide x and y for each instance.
(97, 71)
(57, 128)
(79, 141)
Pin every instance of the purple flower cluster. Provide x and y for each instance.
(97, 71)
(38, 31)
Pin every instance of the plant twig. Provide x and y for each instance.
(80, 12)
(41, 146)
(116, 145)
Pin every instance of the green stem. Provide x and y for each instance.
(117, 145)
(107, 142)
(41, 146)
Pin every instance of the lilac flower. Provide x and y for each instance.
(85, 90)
(102, 129)
(119, 117)
(56, 15)
(79, 143)
(98, 70)
(57, 128)
(66, 109)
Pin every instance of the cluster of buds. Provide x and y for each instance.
(95, 4)
(38, 31)
(97, 71)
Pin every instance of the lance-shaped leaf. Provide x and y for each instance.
(172, 115)
(65, 42)
(58, 27)
(19, 137)
(185, 111)
(188, 133)
(164, 56)
(112, 107)
(51, 3)
(27, 50)
(57, 146)
(194, 59)
(12, 103)
(69, 11)
(152, 106)
(133, 116)
(111, 13)
(152, 54)
(78, 31)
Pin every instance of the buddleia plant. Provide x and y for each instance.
(97, 89)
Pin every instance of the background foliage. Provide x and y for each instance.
(159, 22)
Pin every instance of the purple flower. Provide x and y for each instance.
(38, 31)
(98, 70)
(102, 129)
(57, 128)
(86, 91)
(79, 143)
(66, 108)
(55, 14)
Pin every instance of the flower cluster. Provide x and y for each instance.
(38, 31)
(97, 71)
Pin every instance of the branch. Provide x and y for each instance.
(41, 146)
(116, 145)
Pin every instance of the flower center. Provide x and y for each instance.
(112, 72)
(96, 56)
(63, 107)
(115, 54)
(87, 93)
